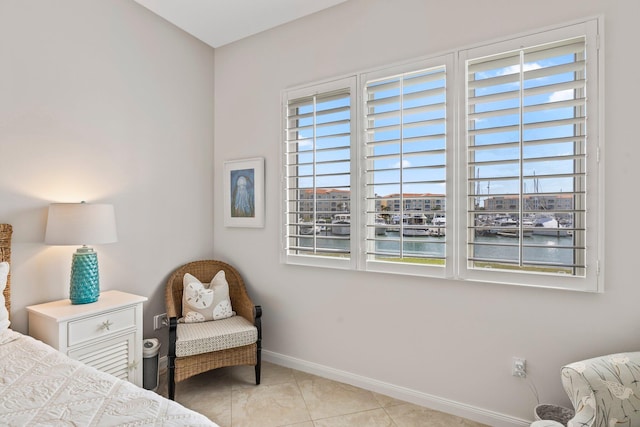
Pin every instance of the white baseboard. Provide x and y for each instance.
(408, 395)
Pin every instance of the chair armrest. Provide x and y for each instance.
(581, 395)
(243, 306)
(601, 389)
(257, 310)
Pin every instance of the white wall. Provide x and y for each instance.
(435, 341)
(104, 102)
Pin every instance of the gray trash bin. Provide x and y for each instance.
(150, 348)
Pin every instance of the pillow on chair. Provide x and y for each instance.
(204, 302)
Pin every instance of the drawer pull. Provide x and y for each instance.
(133, 365)
(106, 325)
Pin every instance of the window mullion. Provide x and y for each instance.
(521, 166)
(401, 167)
(314, 218)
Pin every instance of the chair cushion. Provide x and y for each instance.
(205, 337)
(204, 302)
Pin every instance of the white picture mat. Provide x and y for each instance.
(244, 192)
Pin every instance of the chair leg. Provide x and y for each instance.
(171, 357)
(171, 383)
(258, 360)
(258, 323)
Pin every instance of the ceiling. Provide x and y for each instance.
(219, 22)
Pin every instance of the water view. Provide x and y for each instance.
(537, 248)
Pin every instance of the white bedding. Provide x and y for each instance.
(40, 386)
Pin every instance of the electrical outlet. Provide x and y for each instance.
(160, 321)
(519, 367)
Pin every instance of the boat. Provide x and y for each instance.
(322, 223)
(381, 226)
(341, 224)
(439, 220)
(415, 224)
(508, 227)
(548, 226)
(439, 223)
(308, 228)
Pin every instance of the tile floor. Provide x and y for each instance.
(291, 398)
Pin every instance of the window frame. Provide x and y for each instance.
(448, 62)
(350, 263)
(592, 281)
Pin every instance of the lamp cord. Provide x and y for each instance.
(533, 389)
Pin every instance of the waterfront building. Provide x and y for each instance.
(534, 202)
(327, 201)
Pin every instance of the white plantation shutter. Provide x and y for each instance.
(405, 142)
(527, 156)
(318, 151)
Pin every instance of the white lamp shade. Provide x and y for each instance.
(80, 224)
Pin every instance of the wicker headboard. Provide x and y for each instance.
(5, 255)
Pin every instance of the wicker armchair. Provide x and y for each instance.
(181, 366)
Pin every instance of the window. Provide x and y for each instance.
(385, 184)
(318, 159)
(405, 181)
(531, 159)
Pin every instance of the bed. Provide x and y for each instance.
(40, 386)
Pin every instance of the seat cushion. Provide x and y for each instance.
(205, 337)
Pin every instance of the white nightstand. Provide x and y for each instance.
(106, 334)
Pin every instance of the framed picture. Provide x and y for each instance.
(244, 193)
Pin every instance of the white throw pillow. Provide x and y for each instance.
(4, 314)
(204, 302)
(221, 301)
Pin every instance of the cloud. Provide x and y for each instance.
(516, 68)
(305, 143)
(512, 69)
(562, 95)
(405, 164)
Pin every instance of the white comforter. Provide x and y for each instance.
(41, 387)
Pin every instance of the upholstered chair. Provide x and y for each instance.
(605, 391)
(198, 347)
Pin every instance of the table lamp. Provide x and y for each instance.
(82, 224)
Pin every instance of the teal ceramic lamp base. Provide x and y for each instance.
(85, 282)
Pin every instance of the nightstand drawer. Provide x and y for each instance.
(102, 325)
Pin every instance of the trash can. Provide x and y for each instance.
(150, 348)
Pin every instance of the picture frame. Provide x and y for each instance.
(244, 193)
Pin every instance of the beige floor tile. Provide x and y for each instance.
(215, 405)
(270, 374)
(290, 398)
(304, 424)
(372, 418)
(300, 376)
(386, 401)
(409, 415)
(208, 393)
(326, 398)
(268, 406)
